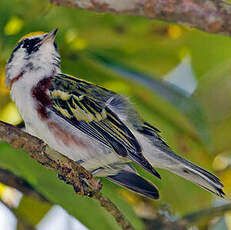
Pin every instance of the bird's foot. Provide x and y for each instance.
(84, 186)
(62, 178)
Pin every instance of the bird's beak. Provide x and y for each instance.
(50, 37)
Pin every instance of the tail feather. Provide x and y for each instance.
(192, 172)
(158, 153)
(205, 173)
(201, 177)
(135, 183)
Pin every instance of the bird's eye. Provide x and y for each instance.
(31, 45)
(26, 43)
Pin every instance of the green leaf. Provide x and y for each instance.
(32, 210)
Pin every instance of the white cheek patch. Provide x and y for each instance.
(16, 65)
(46, 57)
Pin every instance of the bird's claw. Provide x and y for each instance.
(63, 179)
(81, 187)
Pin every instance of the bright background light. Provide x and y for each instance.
(56, 219)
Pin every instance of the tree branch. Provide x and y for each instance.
(163, 222)
(81, 180)
(209, 15)
(208, 213)
(73, 173)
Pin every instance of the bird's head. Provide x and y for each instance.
(34, 52)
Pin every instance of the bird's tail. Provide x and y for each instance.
(136, 183)
(189, 171)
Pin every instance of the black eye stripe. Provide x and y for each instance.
(17, 47)
(30, 44)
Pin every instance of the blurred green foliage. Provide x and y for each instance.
(138, 53)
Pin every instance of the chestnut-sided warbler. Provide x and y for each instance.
(96, 127)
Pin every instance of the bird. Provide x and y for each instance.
(97, 128)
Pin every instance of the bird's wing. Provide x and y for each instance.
(152, 133)
(83, 105)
